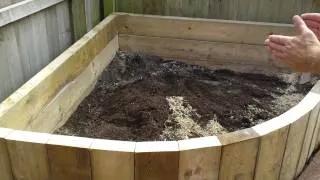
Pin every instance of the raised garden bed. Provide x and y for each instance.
(266, 123)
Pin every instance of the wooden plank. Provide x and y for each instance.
(18, 110)
(26, 47)
(173, 8)
(313, 146)
(238, 159)
(153, 7)
(78, 18)
(155, 160)
(5, 166)
(201, 29)
(64, 26)
(192, 51)
(51, 30)
(267, 9)
(69, 157)
(42, 53)
(92, 9)
(11, 58)
(272, 147)
(28, 155)
(22, 9)
(307, 139)
(112, 159)
(285, 11)
(108, 7)
(191, 8)
(58, 111)
(137, 6)
(293, 148)
(199, 158)
(214, 11)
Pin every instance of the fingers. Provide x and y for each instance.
(299, 24)
(279, 39)
(311, 16)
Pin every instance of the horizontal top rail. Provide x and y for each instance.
(23, 9)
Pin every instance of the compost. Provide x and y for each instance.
(145, 98)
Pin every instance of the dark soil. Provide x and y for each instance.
(142, 98)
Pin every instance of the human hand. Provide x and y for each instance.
(313, 22)
(301, 52)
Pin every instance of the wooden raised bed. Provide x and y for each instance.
(276, 149)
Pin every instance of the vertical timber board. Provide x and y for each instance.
(26, 47)
(199, 158)
(108, 7)
(313, 145)
(64, 25)
(238, 160)
(112, 160)
(52, 31)
(42, 55)
(293, 148)
(92, 10)
(285, 11)
(272, 147)
(28, 155)
(78, 18)
(155, 7)
(307, 139)
(173, 8)
(214, 11)
(156, 164)
(5, 166)
(11, 60)
(266, 10)
(69, 158)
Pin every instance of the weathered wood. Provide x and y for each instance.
(10, 60)
(5, 166)
(293, 148)
(270, 156)
(238, 159)
(155, 160)
(78, 18)
(28, 155)
(199, 158)
(194, 51)
(64, 26)
(153, 7)
(17, 111)
(51, 23)
(202, 29)
(112, 159)
(69, 157)
(313, 117)
(58, 111)
(92, 9)
(192, 8)
(22, 9)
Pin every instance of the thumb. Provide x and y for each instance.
(299, 24)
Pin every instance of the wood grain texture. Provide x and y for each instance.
(69, 157)
(22, 9)
(313, 145)
(155, 160)
(58, 111)
(64, 26)
(112, 159)
(153, 7)
(28, 155)
(199, 158)
(313, 117)
(192, 51)
(18, 110)
(5, 166)
(294, 146)
(201, 29)
(271, 152)
(238, 160)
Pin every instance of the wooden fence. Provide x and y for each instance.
(252, 10)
